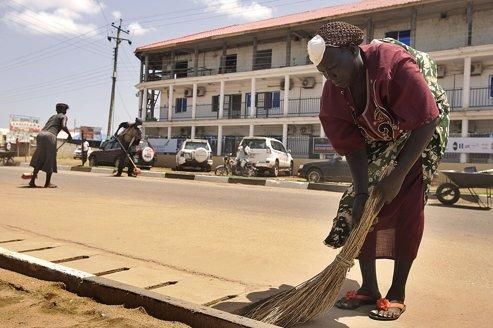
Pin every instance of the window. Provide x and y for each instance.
(266, 100)
(229, 64)
(215, 103)
(263, 59)
(254, 143)
(181, 105)
(491, 86)
(403, 36)
(277, 146)
(181, 69)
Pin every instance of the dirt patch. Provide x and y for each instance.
(29, 302)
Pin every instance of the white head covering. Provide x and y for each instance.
(316, 49)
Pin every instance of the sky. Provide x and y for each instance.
(57, 50)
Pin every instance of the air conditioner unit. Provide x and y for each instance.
(200, 91)
(308, 83)
(476, 68)
(188, 93)
(283, 82)
(441, 71)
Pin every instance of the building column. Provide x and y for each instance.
(169, 132)
(141, 102)
(464, 157)
(194, 101)
(253, 107)
(196, 62)
(466, 84)
(221, 101)
(252, 130)
(192, 132)
(144, 103)
(170, 102)
(286, 95)
(285, 135)
(146, 68)
(219, 140)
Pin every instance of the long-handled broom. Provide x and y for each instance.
(136, 169)
(310, 298)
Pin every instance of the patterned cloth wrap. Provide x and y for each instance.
(381, 153)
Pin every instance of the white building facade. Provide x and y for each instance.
(203, 85)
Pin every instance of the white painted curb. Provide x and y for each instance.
(286, 184)
(211, 179)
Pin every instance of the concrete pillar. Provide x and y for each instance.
(170, 102)
(253, 107)
(369, 30)
(169, 132)
(414, 17)
(285, 135)
(221, 100)
(194, 101)
(146, 69)
(288, 49)
(196, 62)
(141, 104)
(252, 130)
(192, 131)
(144, 103)
(464, 157)
(219, 140)
(466, 84)
(286, 95)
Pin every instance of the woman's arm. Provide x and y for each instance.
(358, 165)
(412, 150)
(64, 127)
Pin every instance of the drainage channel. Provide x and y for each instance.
(104, 273)
(36, 249)
(10, 241)
(167, 283)
(70, 259)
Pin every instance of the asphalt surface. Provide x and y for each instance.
(220, 240)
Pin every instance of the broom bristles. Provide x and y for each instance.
(319, 293)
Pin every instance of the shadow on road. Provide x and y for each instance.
(465, 207)
(327, 319)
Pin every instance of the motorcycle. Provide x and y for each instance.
(244, 167)
(227, 167)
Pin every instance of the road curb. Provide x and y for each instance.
(111, 292)
(210, 178)
(327, 187)
(286, 184)
(247, 181)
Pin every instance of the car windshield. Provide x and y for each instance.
(195, 145)
(254, 143)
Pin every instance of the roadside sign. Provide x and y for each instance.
(322, 146)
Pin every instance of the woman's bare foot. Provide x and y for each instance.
(50, 185)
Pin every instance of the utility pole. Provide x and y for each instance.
(115, 60)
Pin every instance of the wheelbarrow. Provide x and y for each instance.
(449, 193)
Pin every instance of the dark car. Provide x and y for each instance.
(335, 169)
(109, 151)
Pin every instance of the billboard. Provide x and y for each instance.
(88, 132)
(322, 146)
(470, 145)
(24, 124)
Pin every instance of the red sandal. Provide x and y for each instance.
(384, 304)
(348, 302)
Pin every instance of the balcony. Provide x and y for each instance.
(478, 98)
(298, 107)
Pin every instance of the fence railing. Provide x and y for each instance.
(478, 98)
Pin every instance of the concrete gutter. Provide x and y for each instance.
(111, 292)
(334, 187)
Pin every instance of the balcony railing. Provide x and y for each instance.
(478, 98)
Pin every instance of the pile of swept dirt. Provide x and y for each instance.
(29, 302)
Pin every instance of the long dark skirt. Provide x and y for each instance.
(44, 157)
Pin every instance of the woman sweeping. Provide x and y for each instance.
(382, 103)
(44, 157)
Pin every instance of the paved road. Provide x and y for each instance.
(206, 242)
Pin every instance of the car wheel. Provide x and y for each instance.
(448, 193)
(178, 168)
(275, 170)
(92, 162)
(314, 175)
(221, 170)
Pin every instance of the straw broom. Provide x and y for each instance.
(318, 294)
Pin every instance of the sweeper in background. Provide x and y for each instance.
(128, 139)
(44, 158)
(382, 103)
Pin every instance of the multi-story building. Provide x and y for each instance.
(256, 79)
